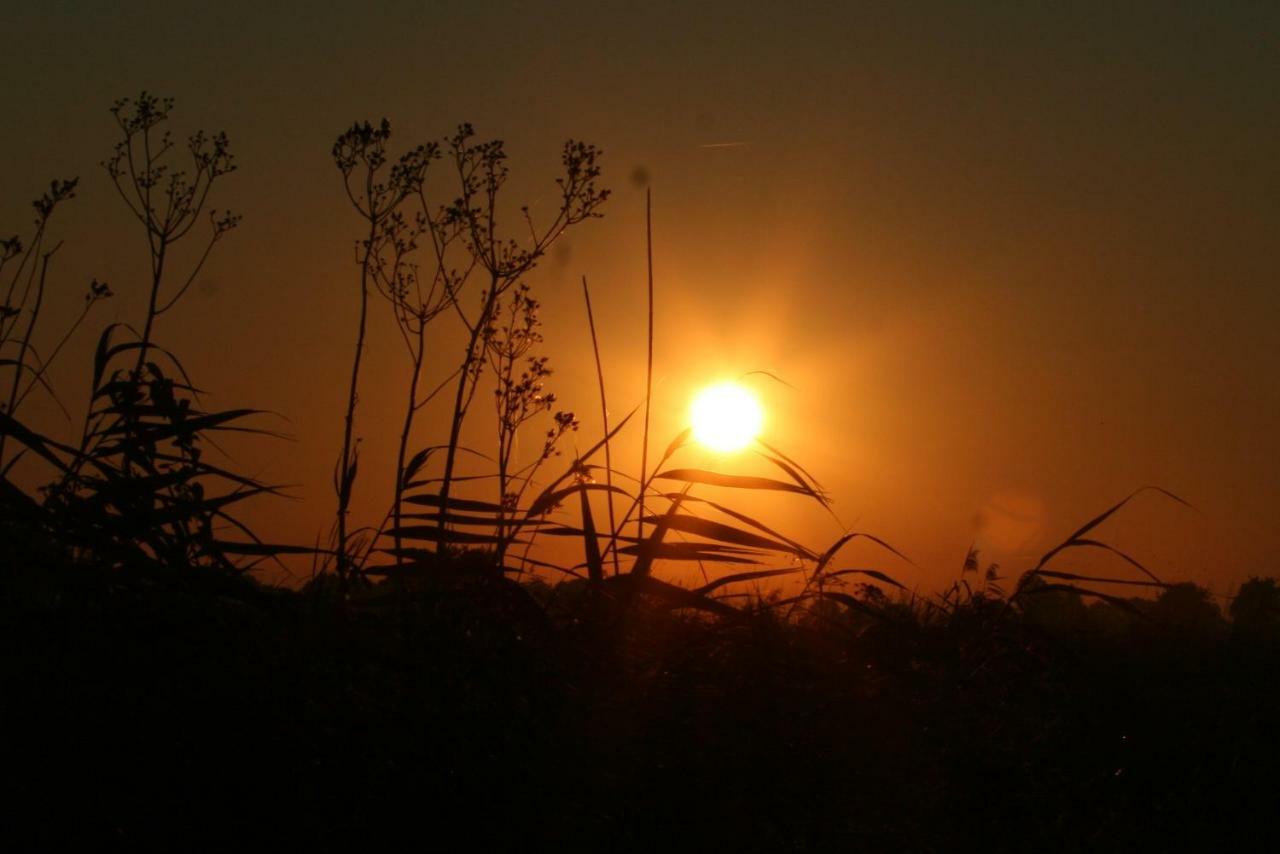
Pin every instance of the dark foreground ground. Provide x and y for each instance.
(193, 715)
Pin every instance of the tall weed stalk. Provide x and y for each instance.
(376, 189)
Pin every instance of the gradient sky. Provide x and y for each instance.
(1014, 261)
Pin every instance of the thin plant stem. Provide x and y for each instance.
(604, 415)
(26, 340)
(345, 473)
(410, 410)
(648, 374)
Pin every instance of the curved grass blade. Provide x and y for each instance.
(217, 421)
(1076, 538)
(41, 445)
(733, 481)
(647, 551)
(1097, 579)
(724, 533)
(740, 577)
(590, 545)
(1115, 551)
(428, 482)
(433, 500)
(411, 468)
(779, 454)
(207, 469)
(551, 487)
(107, 351)
(554, 530)
(691, 552)
(681, 439)
(8, 467)
(755, 523)
(37, 379)
(547, 500)
(795, 476)
(852, 535)
(871, 573)
(421, 457)
(434, 533)
(463, 519)
(770, 374)
(604, 416)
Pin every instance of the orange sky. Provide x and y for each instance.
(1014, 263)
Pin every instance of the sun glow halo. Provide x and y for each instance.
(726, 417)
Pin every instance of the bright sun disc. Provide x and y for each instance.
(726, 417)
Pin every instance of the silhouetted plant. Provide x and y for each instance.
(504, 261)
(519, 397)
(466, 243)
(137, 490)
(26, 268)
(166, 201)
(417, 296)
(376, 188)
(1042, 579)
(604, 418)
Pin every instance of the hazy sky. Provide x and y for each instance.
(1015, 260)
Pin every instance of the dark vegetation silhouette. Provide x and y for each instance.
(135, 490)
(440, 675)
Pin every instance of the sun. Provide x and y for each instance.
(726, 417)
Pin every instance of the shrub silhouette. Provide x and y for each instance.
(1255, 610)
(1188, 610)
